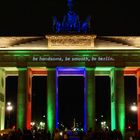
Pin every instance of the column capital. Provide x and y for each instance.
(51, 68)
(119, 67)
(21, 64)
(119, 63)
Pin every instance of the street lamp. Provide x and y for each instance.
(133, 116)
(9, 108)
(133, 107)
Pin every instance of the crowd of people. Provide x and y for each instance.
(69, 135)
(25, 135)
(89, 135)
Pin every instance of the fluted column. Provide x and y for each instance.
(29, 99)
(119, 99)
(138, 97)
(21, 98)
(2, 99)
(90, 102)
(51, 99)
(113, 101)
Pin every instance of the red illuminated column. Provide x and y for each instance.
(29, 99)
(138, 97)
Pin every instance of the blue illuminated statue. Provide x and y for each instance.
(71, 20)
(71, 23)
(86, 25)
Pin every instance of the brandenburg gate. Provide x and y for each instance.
(69, 55)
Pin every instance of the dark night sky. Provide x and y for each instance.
(120, 17)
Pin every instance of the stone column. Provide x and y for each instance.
(90, 101)
(119, 99)
(21, 98)
(113, 102)
(2, 99)
(138, 97)
(51, 99)
(29, 99)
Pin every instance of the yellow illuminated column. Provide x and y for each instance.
(90, 102)
(51, 99)
(119, 99)
(2, 99)
(21, 98)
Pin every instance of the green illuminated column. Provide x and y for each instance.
(120, 100)
(2, 98)
(51, 93)
(90, 83)
(113, 104)
(21, 98)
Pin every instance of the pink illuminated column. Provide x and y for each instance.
(138, 97)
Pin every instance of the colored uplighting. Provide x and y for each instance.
(122, 118)
(85, 103)
(113, 103)
(119, 82)
(113, 122)
(138, 98)
(64, 71)
(50, 116)
(103, 71)
(20, 53)
(21, 98)
(56, 111)
(51, 100)
(90, 97)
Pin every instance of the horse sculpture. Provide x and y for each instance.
(71, 22)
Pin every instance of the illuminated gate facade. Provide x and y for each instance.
(117, 94)
(27, 63)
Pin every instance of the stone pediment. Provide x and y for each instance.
(70, 41)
